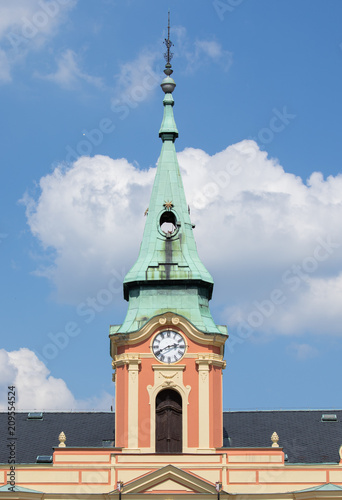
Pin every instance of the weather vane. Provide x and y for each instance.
(168, 55)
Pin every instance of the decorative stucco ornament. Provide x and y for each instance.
(62, 439)
(275, 439)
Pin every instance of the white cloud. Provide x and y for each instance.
(26, 25)
(302, 351)
(200, 52)
(68, 73)
(91, 216)
(5, 69)
(212, 50)
(15, 14)
(36, 388)
(316, 308)
(137, 79)
(271, 232)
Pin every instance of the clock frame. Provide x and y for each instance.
(168, 346)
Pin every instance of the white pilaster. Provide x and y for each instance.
(203, 403)
(133, 394)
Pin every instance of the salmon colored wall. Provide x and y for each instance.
(146, 377)
(190, 377)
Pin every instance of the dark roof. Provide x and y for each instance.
(39, 437)
(302, 434)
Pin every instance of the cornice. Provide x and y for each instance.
(168, 320)
(126, 359)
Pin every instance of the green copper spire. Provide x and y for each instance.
(168, 275)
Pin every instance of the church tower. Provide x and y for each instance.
(168, 353)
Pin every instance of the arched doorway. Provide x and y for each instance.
(168, 422)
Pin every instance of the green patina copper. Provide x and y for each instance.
(168, 275)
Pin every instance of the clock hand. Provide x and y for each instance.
(169, 347)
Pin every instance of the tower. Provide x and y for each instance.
(168, 353)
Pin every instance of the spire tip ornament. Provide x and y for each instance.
(168, 84)
(168, 55)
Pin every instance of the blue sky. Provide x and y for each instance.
(257, 105)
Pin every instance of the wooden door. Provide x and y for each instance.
(168, 422)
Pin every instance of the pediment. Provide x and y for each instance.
(169, 479)
(169, 485)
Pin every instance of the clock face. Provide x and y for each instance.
(168, 346)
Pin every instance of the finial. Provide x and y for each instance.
(62, 439)
(275, 439)
(168, 55)
(168, 84)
